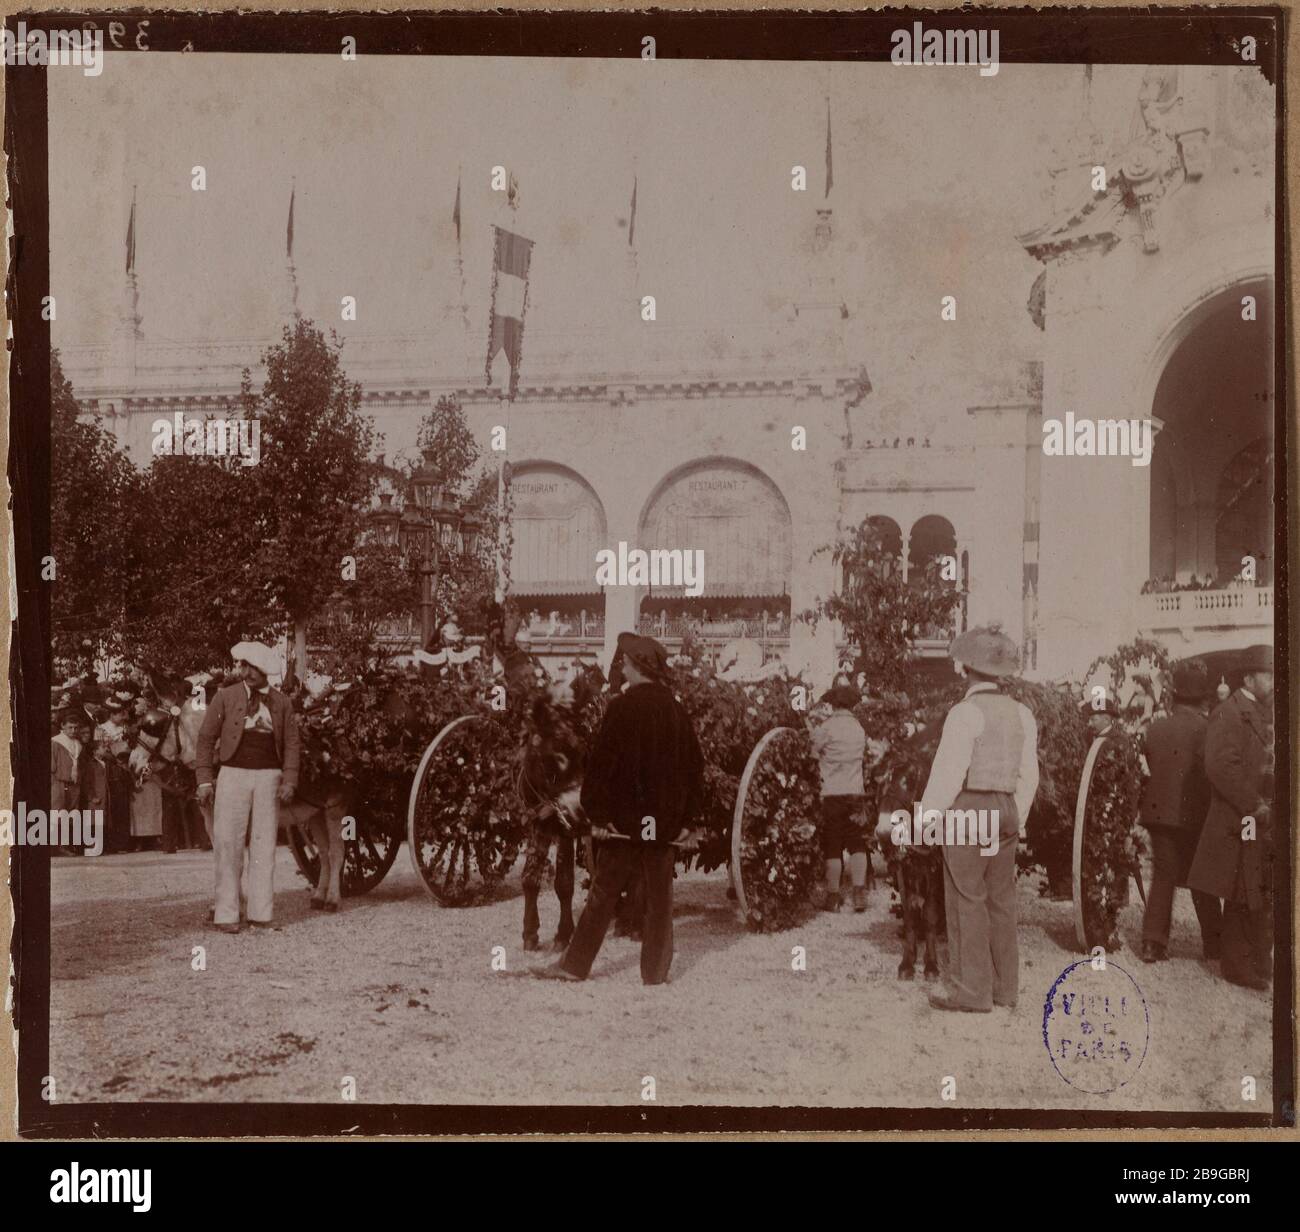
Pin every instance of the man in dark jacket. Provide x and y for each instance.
(1234, 856)
(1174, 802)
(643, 784)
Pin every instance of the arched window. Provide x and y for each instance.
(932, 537)
(890, 559)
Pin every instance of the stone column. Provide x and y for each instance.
(1088, 579)
(812, 578)
(622, 603)
(996, 541)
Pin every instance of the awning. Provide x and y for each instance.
(772, 588)
(737, 518)
(557, 527)
(584, 588)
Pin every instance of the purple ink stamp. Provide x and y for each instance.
(1096, 1026)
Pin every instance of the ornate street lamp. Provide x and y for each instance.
(430, 529)
(471, 527)
(385, 521)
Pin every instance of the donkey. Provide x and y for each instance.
(548, 784)
(917, 872)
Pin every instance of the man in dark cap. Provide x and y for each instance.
(1174, 801)
(643, 784)
(1234, 855)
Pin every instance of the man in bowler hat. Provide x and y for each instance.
(643, 784)
(1174, 801)
(1234, 855)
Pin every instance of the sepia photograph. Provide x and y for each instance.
(729, 571)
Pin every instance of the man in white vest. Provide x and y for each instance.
(987, 760)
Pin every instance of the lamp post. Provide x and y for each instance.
(437, 533)
(430, 529)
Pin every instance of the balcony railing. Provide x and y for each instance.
(1184, 610)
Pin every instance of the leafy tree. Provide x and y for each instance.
(883, 615)
(314, 477)
(195, 528)
(454, 449)
(385, 589)
(95, 566)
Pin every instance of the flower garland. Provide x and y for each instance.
(1112, 845)
(780, 856)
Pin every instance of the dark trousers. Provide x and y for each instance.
(980, 905)
(1247, 939)
(1171, 858)
(617, 863)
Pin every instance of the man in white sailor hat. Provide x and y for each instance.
(252, 730)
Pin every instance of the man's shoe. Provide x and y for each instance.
(940, 1002)
(859, 899)
(555, 972)
(263, 926)
(226, 928)
(830, 902)
(1153, 952)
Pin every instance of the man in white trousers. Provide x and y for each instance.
(252, 730)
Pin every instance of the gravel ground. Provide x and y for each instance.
(400, 996)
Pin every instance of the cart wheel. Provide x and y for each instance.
(366, 858)
(1091, 911)
(461, 836)
(756, 838)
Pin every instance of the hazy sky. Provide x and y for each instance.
(934, 171)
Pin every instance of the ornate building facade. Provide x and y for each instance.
(1154, 304)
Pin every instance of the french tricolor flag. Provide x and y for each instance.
(509, 300)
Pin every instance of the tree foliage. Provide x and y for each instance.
(882, 615)
(96, 566)
(315, 477)
(455, 452)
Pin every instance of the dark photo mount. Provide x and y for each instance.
(603, 434)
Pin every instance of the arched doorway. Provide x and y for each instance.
(1215, 402)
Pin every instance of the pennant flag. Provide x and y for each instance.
(512, 256)
(829, 177)
(288, 237)
(130, 238)
(455, 214)
(631, 229)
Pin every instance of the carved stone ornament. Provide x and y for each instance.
(1167, 147)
